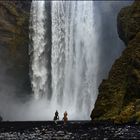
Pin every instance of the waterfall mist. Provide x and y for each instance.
(110, 45)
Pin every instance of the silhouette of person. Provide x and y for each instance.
(1, 119)
(65, 118)
(56, 116)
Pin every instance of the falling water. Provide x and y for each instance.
(74, 55)
(39, 71)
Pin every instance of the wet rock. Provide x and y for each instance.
(84, 131)
(118, 99)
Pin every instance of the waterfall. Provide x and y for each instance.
(39, 71)
(74, 55)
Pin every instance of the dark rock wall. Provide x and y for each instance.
(14, 41)
(119, 95)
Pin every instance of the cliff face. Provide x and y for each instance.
(119, 95)
(14, 58)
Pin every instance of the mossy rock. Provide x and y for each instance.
(119, 94)
(126, 114)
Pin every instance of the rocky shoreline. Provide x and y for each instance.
(72, 130)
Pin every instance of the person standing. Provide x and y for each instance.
(56, 117)
(65, 118)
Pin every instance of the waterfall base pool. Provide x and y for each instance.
(72, 130)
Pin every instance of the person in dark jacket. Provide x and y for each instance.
(1, 119)
(56, 117)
